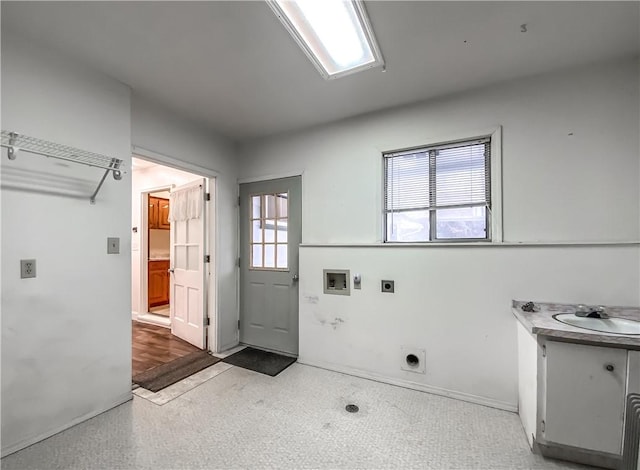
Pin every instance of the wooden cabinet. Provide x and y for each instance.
(153, 212)
(158, 283)
(163, 214)
(159, 213)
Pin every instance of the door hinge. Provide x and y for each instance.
(207, 259)
(207, 321)
(238, 262)
(238, 324)
(544, 350)
(542, 425)
(207, 196)
(238, 200)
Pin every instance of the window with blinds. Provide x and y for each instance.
(439, 193)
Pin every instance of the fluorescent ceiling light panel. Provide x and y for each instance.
(335, 34)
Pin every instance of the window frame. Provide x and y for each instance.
(493, 216)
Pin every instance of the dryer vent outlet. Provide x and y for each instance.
(413, 359)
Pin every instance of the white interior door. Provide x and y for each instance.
(187, 274)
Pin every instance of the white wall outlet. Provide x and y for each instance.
(113, 245)
(27, 268)
(413, 359)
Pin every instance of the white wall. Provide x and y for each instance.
(158, 130)
(571, 171)
(159, 244)
(66, 334)
(554, 183)
(142, 180)
(452, 302)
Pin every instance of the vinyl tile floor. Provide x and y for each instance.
(242, 419)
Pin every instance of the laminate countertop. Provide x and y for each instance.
(541, 322)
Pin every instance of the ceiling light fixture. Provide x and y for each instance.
(335, 34)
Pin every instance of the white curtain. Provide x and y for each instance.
(186, 204)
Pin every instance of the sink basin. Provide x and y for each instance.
(620, 326)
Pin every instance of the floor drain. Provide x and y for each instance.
(352, 408)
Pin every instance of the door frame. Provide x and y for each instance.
(258, 179)
(212, 236)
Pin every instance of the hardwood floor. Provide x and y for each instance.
(155, 345)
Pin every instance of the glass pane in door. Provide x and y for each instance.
(268, 239)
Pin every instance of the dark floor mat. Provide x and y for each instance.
(167, 374)
(257, 360)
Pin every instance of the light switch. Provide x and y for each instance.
(113, 245)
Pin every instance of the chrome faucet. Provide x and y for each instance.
(591, 312)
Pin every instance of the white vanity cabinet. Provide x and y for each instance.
(572, 397)
(584, 396)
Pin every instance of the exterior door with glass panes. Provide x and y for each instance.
(270, 232)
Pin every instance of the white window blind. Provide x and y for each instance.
(440, 192)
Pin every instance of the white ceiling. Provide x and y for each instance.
(233, 67)
(139, 164)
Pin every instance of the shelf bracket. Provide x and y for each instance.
(12, 151)
(117, 175)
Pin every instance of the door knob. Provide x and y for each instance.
(170, 270)
(295, 278)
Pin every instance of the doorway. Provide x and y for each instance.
(270, 233)
(172, 216)
(158, 229)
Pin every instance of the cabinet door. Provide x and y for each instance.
(163, 214)
(584, 396)
(158, 292)
(153, 211)
(156, 288)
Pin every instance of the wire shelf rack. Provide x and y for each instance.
(16, 143)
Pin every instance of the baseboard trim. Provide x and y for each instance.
(583, 456)
(476, 399)
(157, 320)
(52, 432)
